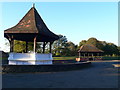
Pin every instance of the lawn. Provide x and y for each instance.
(0, 58)
(65, 58)
(74, 57)
(3, 58)
(111, 58)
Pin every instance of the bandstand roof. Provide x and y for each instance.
(30, 26)
(89, 48)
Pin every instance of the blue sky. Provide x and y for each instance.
(75, 20)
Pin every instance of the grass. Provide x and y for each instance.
(74, 57)
(64, 58)
(3, 58)
(111, 58)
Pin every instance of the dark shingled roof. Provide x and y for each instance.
(89, 48)
(29, 26)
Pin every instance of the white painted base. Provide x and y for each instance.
(29, 59)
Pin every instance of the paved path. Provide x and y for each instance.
(100, 75)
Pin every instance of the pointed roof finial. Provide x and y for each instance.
(33, 4)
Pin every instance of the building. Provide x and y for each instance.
(31, 28)
(89, 52)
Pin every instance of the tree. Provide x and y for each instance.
(6, 45)
(83, 42)
(119, 50)
(62, 47)
(92, 41)
(110, 49)
(19, 46)
(59, 45)
(72, 48)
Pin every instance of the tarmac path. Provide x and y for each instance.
(99, 75)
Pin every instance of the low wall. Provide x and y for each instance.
(54, 61)
(43, 68)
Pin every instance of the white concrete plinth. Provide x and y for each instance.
(29, 59)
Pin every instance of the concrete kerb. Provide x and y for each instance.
(44, 68)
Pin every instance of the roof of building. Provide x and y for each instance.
(29, 26)
(89, 48)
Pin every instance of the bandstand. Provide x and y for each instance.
(89, 52)
(31, 28)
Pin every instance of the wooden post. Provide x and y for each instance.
(51, 47)
(88, 56)
(98, 54)
(79, 54)
(11, 44)
(26, 47)
(44, 44)
(43, 47)
(34, 44)
(84, 54)
(92, 57)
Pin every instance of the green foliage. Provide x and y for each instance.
(30, 46)
(39, 47)
(62, 47)
(92, 41)
(110, 49)
(83, 42)
(71, 48)
(59, 45)
(118, 50)
(114, 55)
(19, 46)
(58, 54)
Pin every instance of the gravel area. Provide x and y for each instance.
(99, 75)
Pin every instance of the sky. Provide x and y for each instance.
(75, 20)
